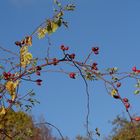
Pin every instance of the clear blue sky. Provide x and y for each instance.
(113, 25)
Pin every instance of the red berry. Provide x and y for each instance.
(38, 81)
(138, 71)
(38, 73)
(116, 96)
(4, 74)
(72, 56)
(134, 69)
(72, 75)
(7, 75)
(9, 101)
(95, 50)
(94, 66)
(38, 68)
(63, 48)
(127, 105)
(118, 84)
(136, 118)
(125, 100)
(55, 61)
(66, 48)
(12, 75)
(18, 43)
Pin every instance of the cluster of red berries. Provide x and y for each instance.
(63, 48)
(95, 50)
(8, 75)
(124, 100)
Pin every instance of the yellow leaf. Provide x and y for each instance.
(11, 86)
(28, 56)
(25, 56)
(23, 50)
(113, 92)
(54, 26)
(3, 110)
(13, 96)
(42, 32)
(28, 40)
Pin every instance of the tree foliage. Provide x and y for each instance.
(20, 126)
(124, 130)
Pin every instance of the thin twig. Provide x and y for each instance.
(9, 51)
(58, 130)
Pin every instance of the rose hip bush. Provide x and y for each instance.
(28, 65)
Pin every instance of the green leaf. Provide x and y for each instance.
(31, 94)
(137, 84)
(89, 76)
(1, 67)
(34, 61)
(136, 91)
(115, 79)
(70, 7)
(57, 3)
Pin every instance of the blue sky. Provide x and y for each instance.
(112, 25)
